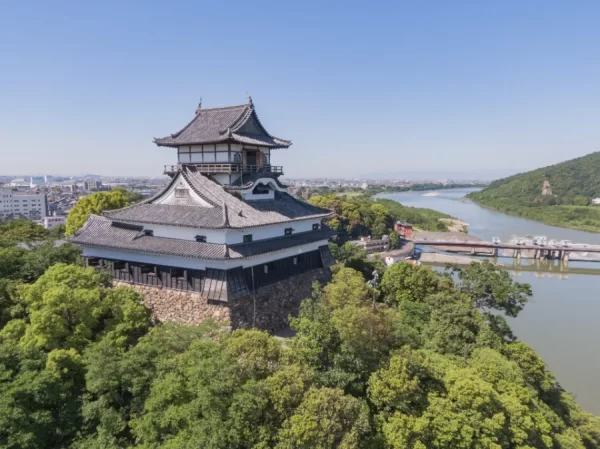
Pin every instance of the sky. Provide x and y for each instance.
(361, 88)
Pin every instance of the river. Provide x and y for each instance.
(561, 319)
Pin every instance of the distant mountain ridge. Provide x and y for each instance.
(574, 182)
(558, 195)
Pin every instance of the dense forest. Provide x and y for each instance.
(362, 215)
(572, 187)
(421, 360)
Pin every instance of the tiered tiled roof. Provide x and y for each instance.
(228, 124)
(239, 214)
(105, 233)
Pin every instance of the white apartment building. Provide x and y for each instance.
(33, 206)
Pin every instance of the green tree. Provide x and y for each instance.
(455, 327)
(408, 282)
(130, 196)
(118, 381)
(39, 398)
(95, 203)
(70, 306)
(493, 289)
(326, 419)
(348, 287)
(20, 231)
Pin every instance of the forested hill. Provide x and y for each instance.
(574, 182)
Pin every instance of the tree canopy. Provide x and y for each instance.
(94, 204)
(361, 215)
(415, 362)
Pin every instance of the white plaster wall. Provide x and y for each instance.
(229, 236)
(222, 156)
(196, 157)
(197, 264)
(206, 153)
(247, 195)
(185, 233)
(266, 232)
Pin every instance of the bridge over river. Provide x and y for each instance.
(529, 250)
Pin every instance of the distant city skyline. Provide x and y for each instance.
(456, 87)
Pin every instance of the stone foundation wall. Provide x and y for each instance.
(177, 305)
(275, 302)
(269, 310)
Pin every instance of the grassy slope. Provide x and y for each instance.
(573, 182)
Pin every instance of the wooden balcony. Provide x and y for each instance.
(227, 168)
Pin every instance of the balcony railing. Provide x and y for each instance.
(225, 168)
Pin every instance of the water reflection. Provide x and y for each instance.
(561, 320)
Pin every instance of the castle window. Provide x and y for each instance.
(316, 227)
(201, 238)
(247, 238)
(149, 232)
(266, 269)
(288, 231)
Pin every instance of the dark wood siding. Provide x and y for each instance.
(193, 280)
(283, 268)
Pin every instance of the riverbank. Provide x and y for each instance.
(563, 312)
(580, 218)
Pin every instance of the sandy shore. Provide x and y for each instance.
(456, 225)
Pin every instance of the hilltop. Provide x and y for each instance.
(559, 195)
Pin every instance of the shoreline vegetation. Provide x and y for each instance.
(559, 195)
(579, 218)
(356, 215)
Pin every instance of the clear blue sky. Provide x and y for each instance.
(360, 87)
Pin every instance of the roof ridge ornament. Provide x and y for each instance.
(249, 99)
(199, 106)
(225, 223)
